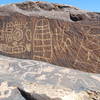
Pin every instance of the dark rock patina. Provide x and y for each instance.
(59, 34)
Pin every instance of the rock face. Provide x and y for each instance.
(33, 80)
(59, 34)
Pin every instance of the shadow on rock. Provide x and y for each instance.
(35, 96)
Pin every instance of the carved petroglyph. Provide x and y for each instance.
(5, 90)
(78, 53)
(18, 35)
(28, 47)
(93, 43)
(42, 42)
(29, 71)
(88, 46)
(12, 49)
(62, 40)
(6, 32)
(28, 35)
(52, 41)
(12, 36)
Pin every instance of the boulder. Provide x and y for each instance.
(59, 34)
(49, 52)
(22, 79)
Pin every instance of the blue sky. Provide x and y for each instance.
(91, 5)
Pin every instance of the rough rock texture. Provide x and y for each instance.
(59, 34)
(28, 79)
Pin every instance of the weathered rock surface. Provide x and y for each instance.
(20, 79)
(59, 34)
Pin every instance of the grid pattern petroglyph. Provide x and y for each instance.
(42, 42)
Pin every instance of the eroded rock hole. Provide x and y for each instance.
(76, 17)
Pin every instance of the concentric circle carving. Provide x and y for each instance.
(18, 35)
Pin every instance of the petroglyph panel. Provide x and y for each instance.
(74, 45)
(87, 57)
(44, 32)
(15, 37)
(27, 74)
